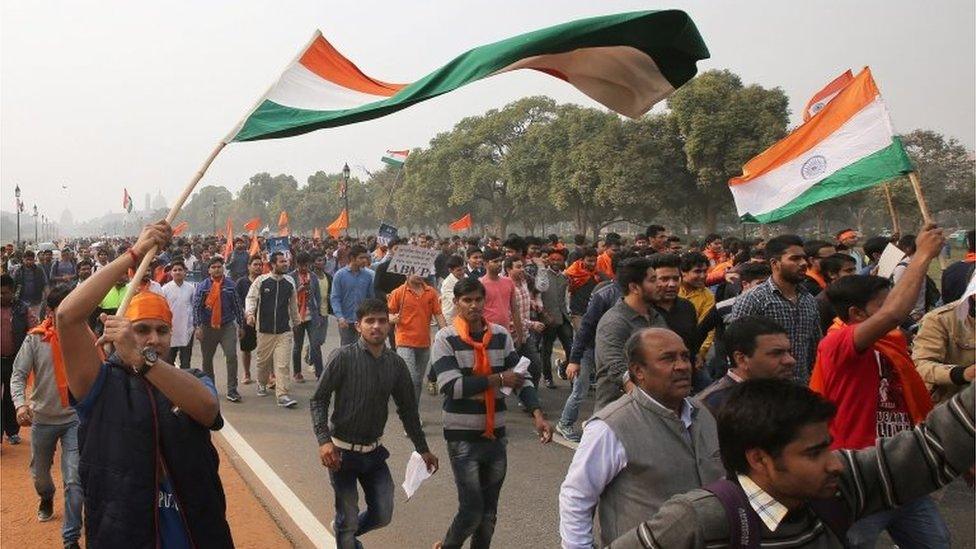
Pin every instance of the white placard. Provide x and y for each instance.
(889, 260)
(415, 474)
(522, 368)
(413, 260)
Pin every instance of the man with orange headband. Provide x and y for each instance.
(148, 467)
(847, 243)
(50, 417)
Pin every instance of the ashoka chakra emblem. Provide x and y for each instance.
(815, 166)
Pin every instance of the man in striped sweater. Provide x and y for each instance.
(473, 360)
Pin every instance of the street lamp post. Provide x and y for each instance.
(213, 203)
(35, 224)
(345, 194)
(17, 195)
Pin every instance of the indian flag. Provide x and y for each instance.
(627, 62)
(396, 158)
(848, 146)
(126, 200)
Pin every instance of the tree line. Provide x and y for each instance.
(536, 163)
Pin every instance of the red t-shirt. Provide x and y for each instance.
(865, 388)
(498, 300)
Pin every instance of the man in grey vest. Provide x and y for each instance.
(645, 447)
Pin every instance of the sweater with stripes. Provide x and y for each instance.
(463, 390)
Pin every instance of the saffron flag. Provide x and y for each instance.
(849, 146)
(180, 228)
(229, 244)
(461, 224)
(824, 96)
(252, 224)
(126, 201)
(341, 223)
(395, 158)
(283, 223)
(627, 62)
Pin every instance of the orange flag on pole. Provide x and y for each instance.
(180, 228)
(252, 224)
(283, 223)
(341, 222)
(463, 223)
(229, 245)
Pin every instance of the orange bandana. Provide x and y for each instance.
(578, 275)
(894, 347)
(50, 335)
(482, 367)
(148, 305)
(213, 302)
(817, 277)
(970, 257)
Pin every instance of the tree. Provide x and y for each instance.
(198, 211)
(723, 124)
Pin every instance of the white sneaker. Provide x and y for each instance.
(285, 401)
(262, 390)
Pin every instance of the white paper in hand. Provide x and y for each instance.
(522, 368)
(890, 258)
(415, 475)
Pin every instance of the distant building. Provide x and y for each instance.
(159, 203)
(146, 209)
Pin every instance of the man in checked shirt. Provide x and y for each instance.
(783, 299)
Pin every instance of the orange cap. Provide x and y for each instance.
(147, 305)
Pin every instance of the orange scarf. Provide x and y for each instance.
(604, 264)
(714, 258)
(482, 367)
(817, 277)
(970, 257)
(49, 334)
(213, 301)
(894, 347)
(302, 295)
(578, 275)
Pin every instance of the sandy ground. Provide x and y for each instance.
(250, 522)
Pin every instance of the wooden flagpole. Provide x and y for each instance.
(924, 207)
(891, 210)
(144, 264)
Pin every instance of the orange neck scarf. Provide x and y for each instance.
(970, 257)
(50, 335)
(894, 347)
(578, 275)
(817, 277)
(302, 295)
(604, 264)
(482, 367)
(213, 301)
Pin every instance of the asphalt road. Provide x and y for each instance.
(528, 508)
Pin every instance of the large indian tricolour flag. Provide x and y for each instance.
(396, 158)
(627, 62)
(848, 146)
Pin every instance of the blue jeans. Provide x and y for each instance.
(371, 472)
(915, 524)
(417, 359)
(314, 347)
(581, 386)
(479, 471)
(44, 440)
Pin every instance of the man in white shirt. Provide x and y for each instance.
(650, 444)
(179, 295)
(455, 268)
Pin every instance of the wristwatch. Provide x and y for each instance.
(149, 357)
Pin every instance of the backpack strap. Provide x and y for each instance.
(834, 514)
(744, 524)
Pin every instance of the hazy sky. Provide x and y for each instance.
(104, 95)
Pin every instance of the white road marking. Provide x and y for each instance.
(314, 530)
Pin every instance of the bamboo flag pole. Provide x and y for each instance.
(924, 207)
(144, 264)
(891, 210)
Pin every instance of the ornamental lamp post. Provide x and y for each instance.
(35, 224)
(17, 196)
(213, 213)
(345, 193)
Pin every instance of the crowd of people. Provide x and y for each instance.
(780, 380)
